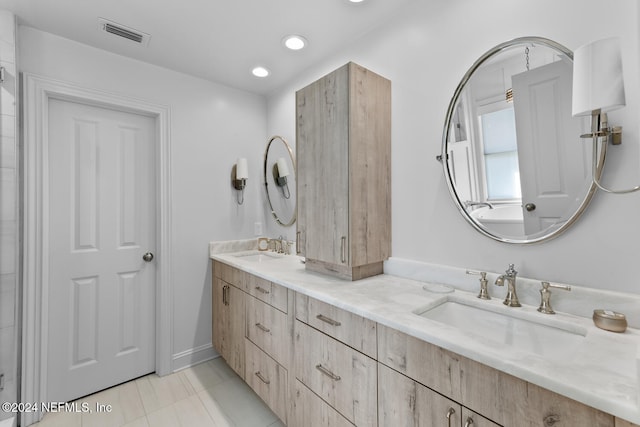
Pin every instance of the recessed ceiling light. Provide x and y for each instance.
(260, 72)
(356, 1)
(294, 42)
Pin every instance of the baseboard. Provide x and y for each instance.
(191, 357)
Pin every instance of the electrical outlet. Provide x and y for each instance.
(257, 228)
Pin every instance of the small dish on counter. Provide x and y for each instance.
(610, 320)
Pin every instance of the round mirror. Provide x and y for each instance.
(280, 180)
(512, 154)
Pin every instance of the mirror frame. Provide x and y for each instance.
(442, 158)
(266, 183)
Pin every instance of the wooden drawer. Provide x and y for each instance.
(311, 411)
(352, 329)
(266, 291)
(501, 397)
(267, 378)
(229, 274)
(268, 329)
(344, 378)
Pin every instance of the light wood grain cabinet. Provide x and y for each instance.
(269, 337)
(268, 379)
(505, 399)
(403, 402)
(228, 328)
(269, 292)
(268, 328)
(355, 331)
(310, 411)
(343, 144)
(343, 377)
(315, 364)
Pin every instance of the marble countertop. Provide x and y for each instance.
(600, 371)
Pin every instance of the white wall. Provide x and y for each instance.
(424, 51)
(211, 126)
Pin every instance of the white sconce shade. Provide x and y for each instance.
(242, 170)
(283, 168)
(598, 83)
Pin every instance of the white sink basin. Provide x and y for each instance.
(258, 256)
(490, 321)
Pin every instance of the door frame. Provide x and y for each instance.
(37, 91)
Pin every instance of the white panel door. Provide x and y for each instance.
(101, 221)
(554, 161)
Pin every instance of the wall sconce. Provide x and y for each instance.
(280, 174)
(598, 87)
(239, 176)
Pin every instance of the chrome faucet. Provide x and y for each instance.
(469, 204)
(511, 300)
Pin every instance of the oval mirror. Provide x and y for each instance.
(280, 180)
(512, 154)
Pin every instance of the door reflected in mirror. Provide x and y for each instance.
(515, 164)
(280, 180)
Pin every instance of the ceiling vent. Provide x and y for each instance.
(123, 31)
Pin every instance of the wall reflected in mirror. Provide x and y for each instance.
(280, 180)
(515, 163)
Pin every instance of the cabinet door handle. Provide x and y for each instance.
(327, 372)
(262, 378)
(328, 320)
(262, 327)
(262, 290)
(450, 412)
(469, 422)
(225, 299)
(343, 249)
(297, 242)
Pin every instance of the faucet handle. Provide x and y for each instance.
(484, 292)
(545, 296)
(511, 271)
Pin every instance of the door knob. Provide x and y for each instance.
(530, 207)
(148, 257)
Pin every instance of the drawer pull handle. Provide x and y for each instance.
(225, 295)
(328, 320)
(328, 372)
(469, 422)
(262, 327)
(261, 289)
(450, 412)
(262, 378)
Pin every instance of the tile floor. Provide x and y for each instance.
(208, 394)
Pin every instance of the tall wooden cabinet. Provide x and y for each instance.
(343, 144)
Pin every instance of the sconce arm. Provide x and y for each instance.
(596, 181)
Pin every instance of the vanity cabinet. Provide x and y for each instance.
(330, 363)
(405, 402)
(269, 336)
(268, 379)
(318, 365)
(228, 326)
(343, 143)
(500, 397)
